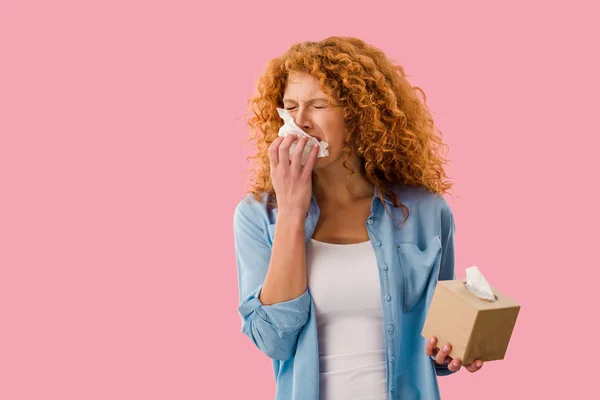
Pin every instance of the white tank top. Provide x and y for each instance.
(344, 284)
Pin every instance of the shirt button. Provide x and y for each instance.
(370, 221)
(378, 243)
(384, 267)
(392, 388)
(388, 297)
(392, 358)
(390, 328)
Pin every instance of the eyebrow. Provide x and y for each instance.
(308, 101)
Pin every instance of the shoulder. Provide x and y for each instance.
(421, 200)
(429, 212)
(250, 210)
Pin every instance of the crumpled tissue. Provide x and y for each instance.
(290, 127)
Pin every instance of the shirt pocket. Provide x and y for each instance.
(416, 266)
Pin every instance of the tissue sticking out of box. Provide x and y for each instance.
(478, 285)
(290, 128)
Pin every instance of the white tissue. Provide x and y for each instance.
(478, 285)
(290, 127)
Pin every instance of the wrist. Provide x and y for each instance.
(297, 216)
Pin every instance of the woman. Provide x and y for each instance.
(338, 258)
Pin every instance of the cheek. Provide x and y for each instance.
(335, 134)
(337, 144)
(337, 140)
(332, 128)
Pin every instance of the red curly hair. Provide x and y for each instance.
(387, 125)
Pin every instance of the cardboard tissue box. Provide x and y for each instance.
(476, 319)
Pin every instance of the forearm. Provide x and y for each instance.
(286, 276)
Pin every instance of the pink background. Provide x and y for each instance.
(121, 163)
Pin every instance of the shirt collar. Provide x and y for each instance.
(385, 197)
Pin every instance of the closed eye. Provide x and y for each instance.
(291, 108)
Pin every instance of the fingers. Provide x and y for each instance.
(284, 149)
(297, 156)
(310, 162)
(441, 355)
(476, 366)
(454, 365)
(274, 152)
(432, 350)
(430, 347)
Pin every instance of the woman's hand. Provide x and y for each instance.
(442, 357)
(292, 181)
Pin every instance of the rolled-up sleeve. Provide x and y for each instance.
(274, 328)
(441, 370)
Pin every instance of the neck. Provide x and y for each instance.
(333, 186)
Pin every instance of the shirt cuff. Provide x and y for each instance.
(285, 316)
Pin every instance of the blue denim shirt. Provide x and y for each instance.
(411, 259)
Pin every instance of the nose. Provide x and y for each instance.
(302, 119)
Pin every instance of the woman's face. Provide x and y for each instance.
(315, 114)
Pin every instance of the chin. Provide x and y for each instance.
(325, 162)
(322, 162)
